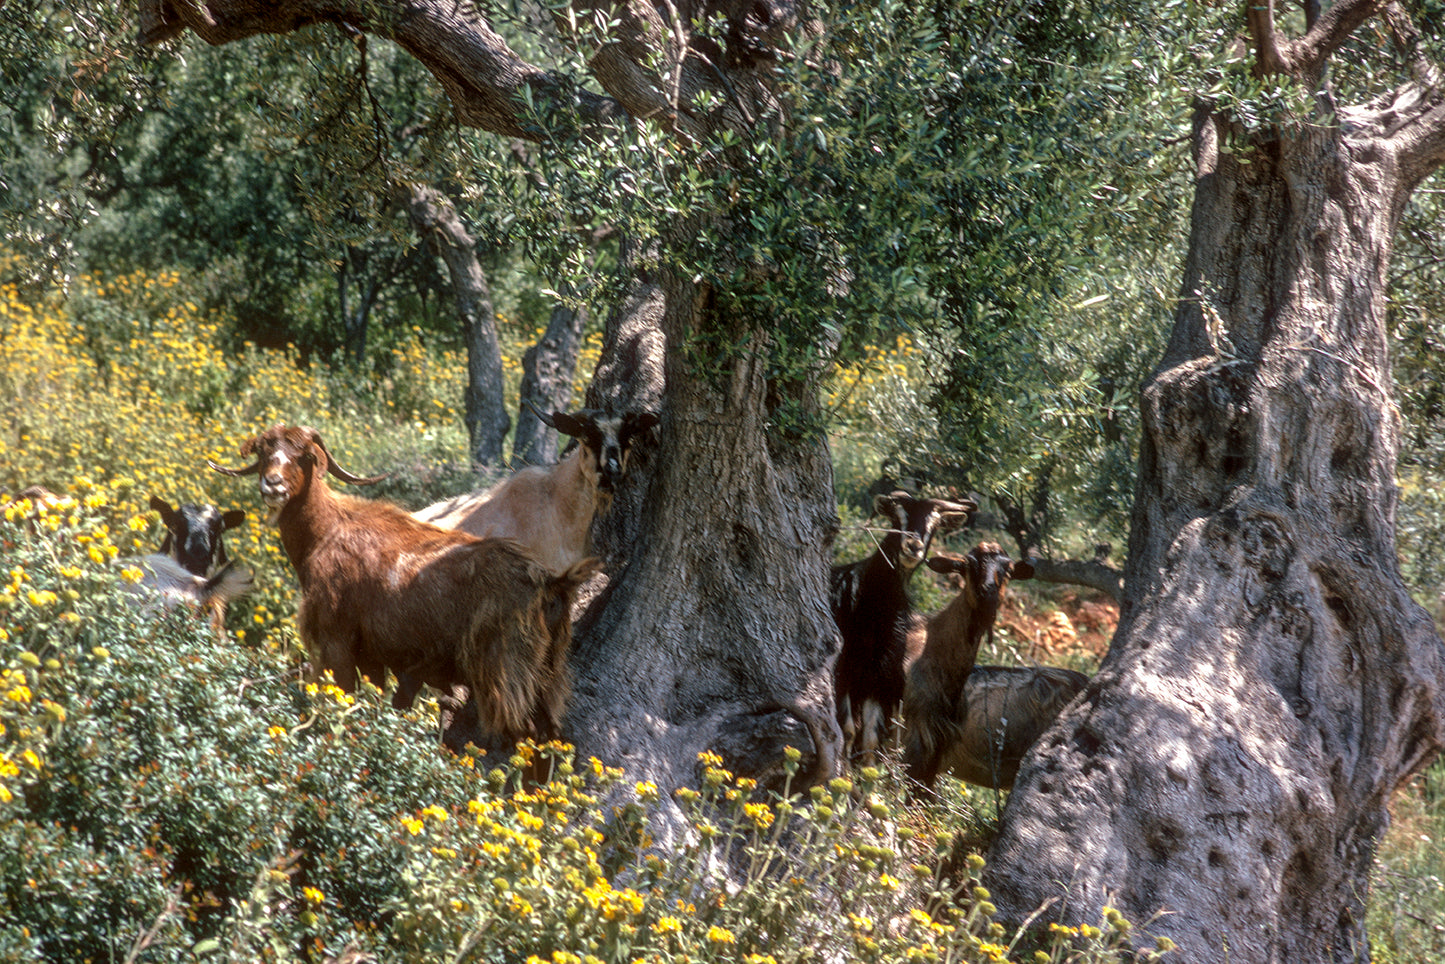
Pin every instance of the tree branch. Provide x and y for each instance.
(1092, 574)
(1268, 57)
(1304, 58)
(487, 82)
(1334, 26)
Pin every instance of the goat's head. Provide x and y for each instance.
(193, 534)
(287, 458)
(917, 521)
(985, 571)
(607, 438)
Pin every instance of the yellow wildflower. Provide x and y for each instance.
(720, 935)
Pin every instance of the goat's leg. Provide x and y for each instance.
(871, 729)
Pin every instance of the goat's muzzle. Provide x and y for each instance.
(275, 494)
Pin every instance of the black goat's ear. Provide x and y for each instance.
(635, 423)
(945, 564)
(168, 515)
(883, 504)
(1023, 569)
(576, 426)
(230, 520)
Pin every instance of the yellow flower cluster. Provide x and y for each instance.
(882, 366)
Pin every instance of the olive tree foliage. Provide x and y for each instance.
(1271, 683)
(784, 177)
(1417, 315)
(1066, 259)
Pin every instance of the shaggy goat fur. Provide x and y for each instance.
(382, 590)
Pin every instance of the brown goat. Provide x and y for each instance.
(976, 722)
(869, 601)
(382, 590)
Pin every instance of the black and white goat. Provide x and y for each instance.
(192, 568)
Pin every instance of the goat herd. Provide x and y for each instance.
(477, 592)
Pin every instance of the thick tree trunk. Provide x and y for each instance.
(1271, 683)
(714, 632)
(436, 220)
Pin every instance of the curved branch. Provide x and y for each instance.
(1333, 27)
(487, 82)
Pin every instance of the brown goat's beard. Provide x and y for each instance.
(273, 510)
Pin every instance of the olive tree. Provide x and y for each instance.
(1271, 682)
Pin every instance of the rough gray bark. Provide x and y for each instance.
(1271, 682)
(547, 370)
(436, 220)
(712, 582)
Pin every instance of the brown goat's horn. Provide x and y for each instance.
(251, 469)
(338, 471)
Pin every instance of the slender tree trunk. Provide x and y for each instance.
(436, 220)
(547, 371)
(1271, 683)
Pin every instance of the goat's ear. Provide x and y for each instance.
(945, 564)
(883, 504)
(955, 516)
(230, 520)
(1023, 569)
(163, 507)
(635, 423)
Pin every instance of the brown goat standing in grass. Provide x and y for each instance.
(975, 722)
(382, 590)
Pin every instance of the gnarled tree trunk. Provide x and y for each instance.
(714, 632)
(1271, 683)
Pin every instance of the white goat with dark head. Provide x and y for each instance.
(549, 509)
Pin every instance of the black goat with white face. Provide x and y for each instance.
(870, 604)
(193, 534)
(192, 568)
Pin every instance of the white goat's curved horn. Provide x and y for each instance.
(545, 418)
